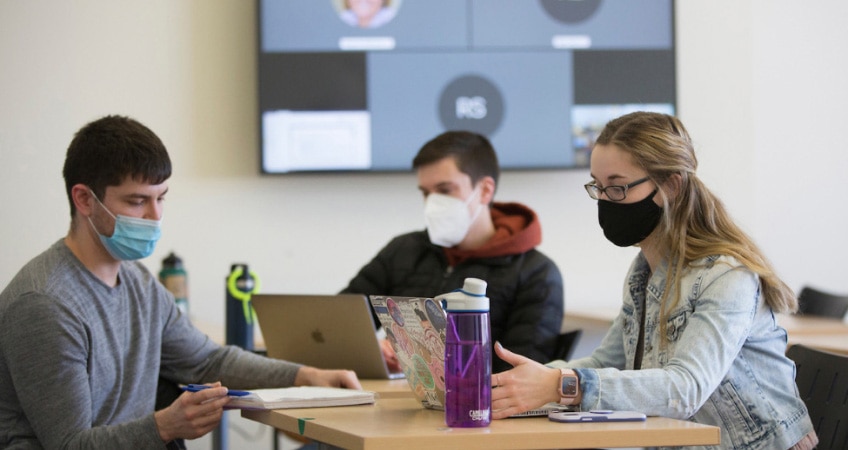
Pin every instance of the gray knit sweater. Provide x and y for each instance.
(80, 361)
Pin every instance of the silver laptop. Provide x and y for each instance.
(324, 331)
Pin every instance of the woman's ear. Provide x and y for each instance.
(673, 185)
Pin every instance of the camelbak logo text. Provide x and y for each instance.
(479, 414)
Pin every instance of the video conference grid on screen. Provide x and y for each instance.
(360, 85)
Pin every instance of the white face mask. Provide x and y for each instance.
(448, 219)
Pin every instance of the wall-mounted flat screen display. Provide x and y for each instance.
(360, 85)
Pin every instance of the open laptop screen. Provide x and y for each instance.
(324, 331)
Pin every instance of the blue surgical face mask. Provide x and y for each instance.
(133, 238)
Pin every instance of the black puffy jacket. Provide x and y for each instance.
(525, 290)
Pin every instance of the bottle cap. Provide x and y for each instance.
(172, 261)
(471, 298)
(474, 286)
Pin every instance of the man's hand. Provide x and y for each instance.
(310, 376)
(192, 414)
(389, 355)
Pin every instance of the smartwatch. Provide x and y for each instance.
(569, 387)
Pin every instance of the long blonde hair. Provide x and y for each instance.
(695, 222)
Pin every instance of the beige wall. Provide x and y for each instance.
(762, 91)
(761, 87)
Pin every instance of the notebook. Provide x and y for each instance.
(300, 397)
(416, 328)
(324, 331)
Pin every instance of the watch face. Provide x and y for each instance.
(569, 386)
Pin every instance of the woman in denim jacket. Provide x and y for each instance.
(696, 337)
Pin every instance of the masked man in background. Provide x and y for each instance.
(469, 235)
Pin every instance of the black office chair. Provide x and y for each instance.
(813, 302)
(822, 379)
(562, 346)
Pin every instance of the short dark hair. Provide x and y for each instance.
(473, 153)
(108, 150)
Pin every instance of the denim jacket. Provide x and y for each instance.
(723, 362)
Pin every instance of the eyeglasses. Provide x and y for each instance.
(613, 193)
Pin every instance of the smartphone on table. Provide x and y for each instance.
(599, 415)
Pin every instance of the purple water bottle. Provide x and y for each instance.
(468, 356)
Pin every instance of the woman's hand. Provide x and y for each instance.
(526, 386)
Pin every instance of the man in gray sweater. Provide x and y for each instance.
(86, 330)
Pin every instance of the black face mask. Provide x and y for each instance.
(626, 224)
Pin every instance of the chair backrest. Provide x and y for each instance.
(822, 379)
(814, 302)
(562, 346)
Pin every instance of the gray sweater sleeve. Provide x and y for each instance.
(239, 369)
(189, 356)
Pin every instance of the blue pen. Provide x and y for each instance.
(200, 387)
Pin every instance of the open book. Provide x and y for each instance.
(301, 397)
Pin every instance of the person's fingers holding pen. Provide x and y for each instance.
(216, 389)
(192, 414)
(212, 393)
(202, 411)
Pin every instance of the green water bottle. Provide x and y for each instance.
(173, 276)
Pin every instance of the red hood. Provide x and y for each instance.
(517, 230)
